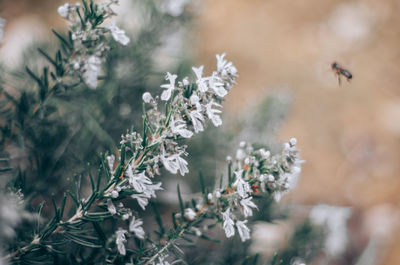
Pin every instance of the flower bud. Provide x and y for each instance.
(147, 98)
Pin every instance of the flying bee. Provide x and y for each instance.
(341, 71)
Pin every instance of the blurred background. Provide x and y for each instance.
(348, 134)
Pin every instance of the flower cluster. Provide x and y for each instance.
(88, 37)
(188, 105)
(253, 172)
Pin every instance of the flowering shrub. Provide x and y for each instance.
(184, 108)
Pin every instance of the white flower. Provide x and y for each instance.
(166, 94)
(170, 164)
(195, 100)
(242, 187)
(218, 86)
(213, 113)
(120, 240)
(224, 67)
(135, 226)
(149, 191)
(114, 194)
(278, 195)
(118, 34)
(92, 71)
(64, 10)
(221, 62)
(125, 216)
(201, 82)
(110, 163)
(293, 141)
(197, 120)
(179, 127)
(247, 204)
(183, 169)
(142, 199)
(142, 184)
(264, 154)
(111, 207)
(138, 181)
(244, 231)
(228, 224)
(189, 214)
(209, 196)
(147, 98)
(174, 163)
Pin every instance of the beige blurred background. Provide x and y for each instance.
(349, 134)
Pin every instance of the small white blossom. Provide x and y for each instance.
(142, 199)
(243, 188)
(147, 98)
(135, 226)
(224, 67)
(92, 71)
(166, 94)
(218, 86)
(201, 82)
(114, 194)
(209, 196)
(138, 181)
(111, 207)
(247, 204)
(118, 34)
(213, 113)
(197, 120)
(228, 224)
(195, 100)
(120, 240)
(264, 154)
(174, 163)
(64, 10)
(189, 214)
(218, 194)
(185, 81)
(293, 141)
(150, 190)
(244, 231)
(179, 127)
(262, 177)
(270, 178)
(278, 195)
(240, 154)
(197, 231)
(126, 216)
(110, 162)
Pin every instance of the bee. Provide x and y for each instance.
(341, 71)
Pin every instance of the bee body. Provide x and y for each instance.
(340, 71)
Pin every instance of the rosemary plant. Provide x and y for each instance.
(100, 221)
